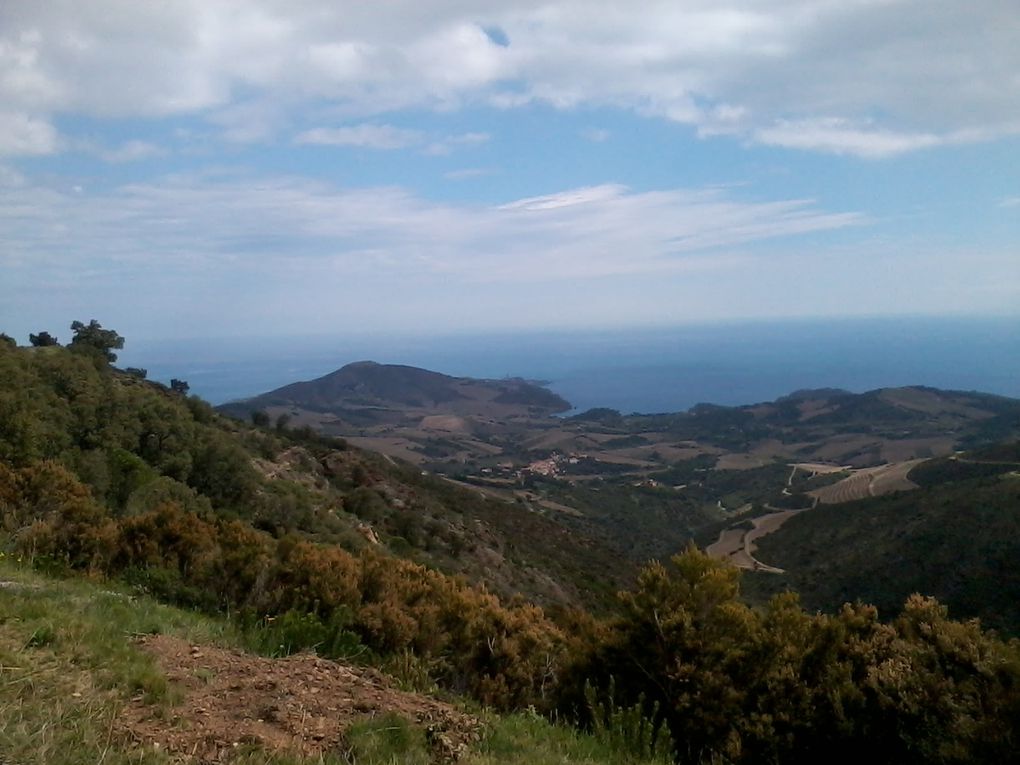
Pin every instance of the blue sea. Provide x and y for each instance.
(632, 370)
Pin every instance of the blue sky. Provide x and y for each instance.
(271, 168)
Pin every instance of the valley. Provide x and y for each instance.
(641, 485)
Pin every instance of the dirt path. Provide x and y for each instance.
(730, 547)
(300, 705)
(738, 545)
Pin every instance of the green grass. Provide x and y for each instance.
(529, 739)
(63, 674)
(69, 662)
(388, 739)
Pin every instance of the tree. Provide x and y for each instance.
(179, 386)
(687, 643)
(42, 340)
(6, 339)
(138, 372)
(94, 337)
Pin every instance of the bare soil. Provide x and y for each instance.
(737, 546)
(300, 705)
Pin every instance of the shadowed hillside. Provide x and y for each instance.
(956, 538)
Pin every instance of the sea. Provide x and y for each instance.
(648, 370)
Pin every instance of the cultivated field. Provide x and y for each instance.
(737, 546)
(868, 482)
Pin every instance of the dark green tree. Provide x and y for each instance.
(93, 337)
(6, 339)
(179, 386)
(43, 339)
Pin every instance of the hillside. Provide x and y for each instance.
(956, 538)
(136, 444)
(884, 425)
(639, 486)
(281, 540)
(98, 673)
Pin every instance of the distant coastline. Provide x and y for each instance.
(637, 370)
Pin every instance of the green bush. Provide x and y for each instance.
(634, 731)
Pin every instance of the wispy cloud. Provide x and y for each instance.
(595, 135)
(1009, 202)
(449, 144)
(132, 150)
(467, 173)
(250, 253)
(366, 136)
(194, 225)
(840, 136)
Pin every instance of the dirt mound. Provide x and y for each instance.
(300, 705)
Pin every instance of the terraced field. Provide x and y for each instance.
(868, 482)
(738, 545)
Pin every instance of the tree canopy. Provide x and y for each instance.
(42, 339)
(93, 336)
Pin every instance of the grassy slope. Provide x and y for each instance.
(958, 541)
(68, 663)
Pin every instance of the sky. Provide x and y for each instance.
(266, 168)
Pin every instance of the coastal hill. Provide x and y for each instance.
(443, 423)
(368, 392)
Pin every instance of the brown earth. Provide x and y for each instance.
(301, 705)
(737, 546)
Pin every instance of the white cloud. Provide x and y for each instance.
(11, 178)
(583, 196)
(864, 77)
(595, 135)
(447, 145)
(201, 225)
(841, 137)
(469, 139)
(467, 173)
(367, 135)
(1009, 202)
(250, 253)
(132, 151)
(23, 134)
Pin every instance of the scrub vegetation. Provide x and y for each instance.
(130, 509)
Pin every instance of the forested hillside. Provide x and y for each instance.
(956, 538)
(138, 444)
(295, 539)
